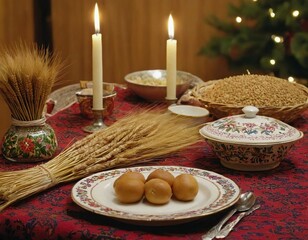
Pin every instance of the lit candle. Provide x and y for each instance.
(97, 63)
(171, 62)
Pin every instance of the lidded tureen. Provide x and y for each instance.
(250, 142)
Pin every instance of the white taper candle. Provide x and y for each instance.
(171, 61)
(97, 63)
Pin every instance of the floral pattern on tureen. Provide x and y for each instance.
(256, 129)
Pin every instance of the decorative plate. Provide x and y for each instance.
(96, 194)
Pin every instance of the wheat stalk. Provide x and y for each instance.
(134, 139)
(27, 74)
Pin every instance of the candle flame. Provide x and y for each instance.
(170, 27)
(96, 19)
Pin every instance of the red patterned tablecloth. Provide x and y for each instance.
(282, 193)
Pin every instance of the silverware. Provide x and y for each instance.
(229, 227)
(245, 202)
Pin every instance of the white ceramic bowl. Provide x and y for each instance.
(248, 142)
(151, 84)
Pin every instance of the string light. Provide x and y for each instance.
(271, 12)
(295, 13)
(238, 19)
(291, 79)
(272, 62)
(277, 39)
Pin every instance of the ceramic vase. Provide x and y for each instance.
(29, 142)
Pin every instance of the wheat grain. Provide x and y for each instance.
(27, 75)
(257, 90)
(137, 138)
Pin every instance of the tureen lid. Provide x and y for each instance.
(250, 128)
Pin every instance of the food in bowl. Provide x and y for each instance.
(151, 84)
(255, 90)
(274, 97)
(249, 142)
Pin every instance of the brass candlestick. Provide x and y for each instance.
(98, 122)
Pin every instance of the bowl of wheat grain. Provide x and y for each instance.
(274, 97)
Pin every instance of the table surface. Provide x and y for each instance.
(282, 193)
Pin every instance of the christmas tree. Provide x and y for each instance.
(264, 36)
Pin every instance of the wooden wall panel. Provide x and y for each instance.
(134, 36)
(16, 23)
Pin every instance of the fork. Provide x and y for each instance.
(229, 227)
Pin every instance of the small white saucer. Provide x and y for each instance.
(188, 110)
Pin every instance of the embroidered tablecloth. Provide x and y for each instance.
(282, 193)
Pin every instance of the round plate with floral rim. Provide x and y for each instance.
(96, 194)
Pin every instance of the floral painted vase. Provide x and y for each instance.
(29, 141)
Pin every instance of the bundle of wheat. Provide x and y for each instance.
(27, 74)
(137, 138)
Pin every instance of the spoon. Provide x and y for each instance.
(245, 202)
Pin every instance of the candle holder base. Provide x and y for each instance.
(98, 123)
(171, 101)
